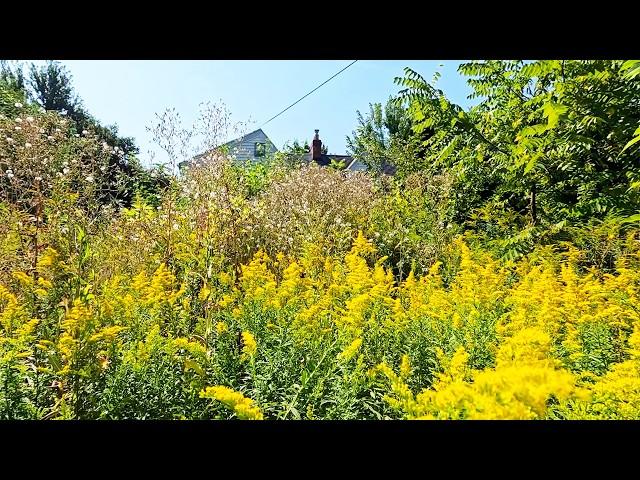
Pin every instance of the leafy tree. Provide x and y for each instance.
(296, 148)
(12, 89)
(52, 88)
(379, 136)
(546, 140)
(294, 153)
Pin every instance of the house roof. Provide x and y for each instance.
(326, 159)
(236, 141)
(351, 163)
(231, 142)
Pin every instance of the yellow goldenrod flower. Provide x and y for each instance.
(349, 352)
(44, 282)
(249, 345)
(221, 327)
(405, 366)
(204, 293)
(244, 408)
(23, 278)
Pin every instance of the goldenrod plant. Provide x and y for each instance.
(288, 291)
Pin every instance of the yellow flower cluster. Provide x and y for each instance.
(472, 338)
(249, 345)
(520, 386)
(244, 408)
(349, 352)
(541, 325)
(159, 289)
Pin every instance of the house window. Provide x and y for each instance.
(260, 150)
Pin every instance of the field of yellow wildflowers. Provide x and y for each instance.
(321, 337)
(296, 292)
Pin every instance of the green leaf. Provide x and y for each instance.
(553, 112)
(444, 154)
(630, 69)
(634, 140)
(631, 219)
(531, 163)
(533, 130)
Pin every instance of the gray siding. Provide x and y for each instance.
(357, 166)
(243, 149)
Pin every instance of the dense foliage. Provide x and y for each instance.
(497, 275)
(46, 96)
(546, 140)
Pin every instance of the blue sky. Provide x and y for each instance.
(129, 93)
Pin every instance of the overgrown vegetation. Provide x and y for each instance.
(496, 275)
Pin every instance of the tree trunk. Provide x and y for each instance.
(532, 205)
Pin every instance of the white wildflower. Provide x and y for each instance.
(29, 119)
(18, 105)
(89, 179)
(28, 145)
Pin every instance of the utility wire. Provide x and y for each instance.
(326, 81)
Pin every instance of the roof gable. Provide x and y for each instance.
(243, 148)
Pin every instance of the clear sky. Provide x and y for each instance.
(129, 93)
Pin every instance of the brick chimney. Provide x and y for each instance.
(316, 147)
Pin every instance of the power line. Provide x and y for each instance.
(326, 81)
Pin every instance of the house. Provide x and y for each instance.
(256, 146)
(324, 159)
(350, 163)
(251, 147)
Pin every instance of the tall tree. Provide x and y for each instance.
(376, 139)
(52, 88)
(547, 138)
(12, 88)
